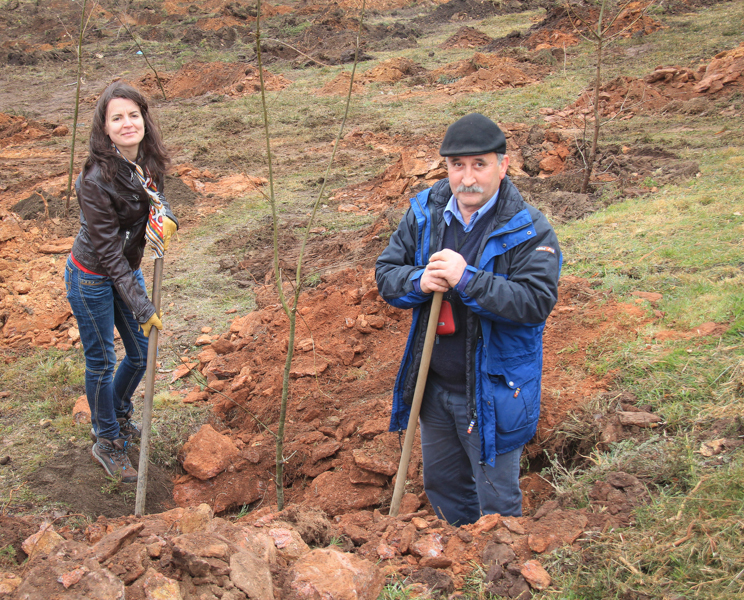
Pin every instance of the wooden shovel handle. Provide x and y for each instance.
(152, 355)
(418, 395)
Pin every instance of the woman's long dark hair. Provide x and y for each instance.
(152, 155)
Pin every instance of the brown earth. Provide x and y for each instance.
(348, 344)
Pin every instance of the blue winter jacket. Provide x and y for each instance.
(510, 294)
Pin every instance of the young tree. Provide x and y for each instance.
(601, 31)
(289, 305)
(83, 26)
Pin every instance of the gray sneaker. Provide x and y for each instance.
(112, 454)
(126, 427)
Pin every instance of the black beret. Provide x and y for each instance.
(473, 134)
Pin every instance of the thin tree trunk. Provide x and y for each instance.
(77, 106)
(291, 310)
(595, 135)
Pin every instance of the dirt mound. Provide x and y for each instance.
(632, 20)
(461, 10)
(486, 72)
(389, 71)
(15, 129)
(561, 28)
(622, 98)
(667, 88)
(339, 86)
(348, 345)
(551, 38)
(332, 37)
(326, 251)
(47, 211)
(197, 79)
(725, 72)
(467, 37)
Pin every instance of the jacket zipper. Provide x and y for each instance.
(126, 238)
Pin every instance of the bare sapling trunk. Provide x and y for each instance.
(290, 305)
(144, 54)
(589, 167)
(77, 106)
(600, 36)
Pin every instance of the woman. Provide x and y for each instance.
(121, 204)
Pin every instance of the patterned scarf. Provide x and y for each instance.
(154, 232)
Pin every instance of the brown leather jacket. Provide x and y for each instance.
(111, 240)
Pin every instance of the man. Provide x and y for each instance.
(497, 260)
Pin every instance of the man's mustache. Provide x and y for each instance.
(469, 189)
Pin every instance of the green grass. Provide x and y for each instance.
(42, 384)
(173, 422)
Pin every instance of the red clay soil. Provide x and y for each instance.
(467, 37)
(666, 89)
(197, 79)
(348, 346)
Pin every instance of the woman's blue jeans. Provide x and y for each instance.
(99, 308)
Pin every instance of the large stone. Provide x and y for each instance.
(374, 463)
(115, 541)
(195, 519)
(325, 450)
(129, 563)
(428, 546)
(556, 529)
(42, 542)
(207, 453)
(373, 428)
(222, 346)
(327, 574)
(9, 582)
(358, 475)
(221, 492)
(535, 575)
(334, 493)
(245, 538)
(308, 366)
(409, 503)
(289, 543)
(81, 410)
(159, 587)
(251, 575)
(484, 524)
(193, 551)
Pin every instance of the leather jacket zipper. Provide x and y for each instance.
(126, 238)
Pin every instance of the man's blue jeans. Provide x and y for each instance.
(99, 308)
(459, 487)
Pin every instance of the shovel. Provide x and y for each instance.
(152, 355)
(418, 395)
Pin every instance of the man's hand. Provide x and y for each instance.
(169, 228)
(443, 272)
(155, 321)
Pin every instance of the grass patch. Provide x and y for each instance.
(42, 385)
(172, 424)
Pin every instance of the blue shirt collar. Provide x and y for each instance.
(452, 210)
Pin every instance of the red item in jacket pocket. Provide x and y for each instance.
(446, 324)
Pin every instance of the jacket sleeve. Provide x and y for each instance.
(103, 230)
(528, 290)
(396, 269)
